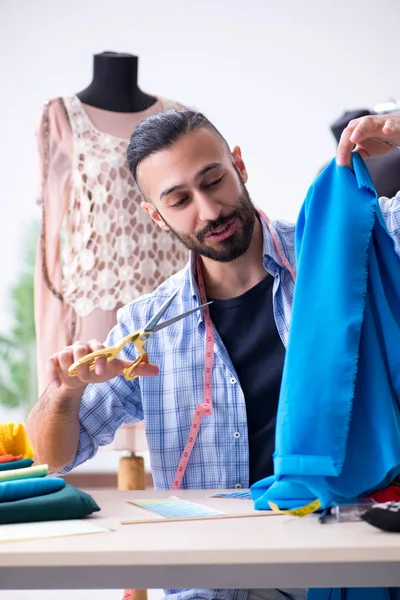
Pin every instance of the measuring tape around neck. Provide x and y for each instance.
(205, 408)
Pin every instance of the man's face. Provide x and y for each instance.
(196, 188)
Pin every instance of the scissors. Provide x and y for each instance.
(139, 338)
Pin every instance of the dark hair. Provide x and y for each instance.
(160, 131)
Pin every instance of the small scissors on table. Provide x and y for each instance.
(139, 338)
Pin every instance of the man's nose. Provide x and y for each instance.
(209, 210)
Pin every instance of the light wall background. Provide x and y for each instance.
(271, 75)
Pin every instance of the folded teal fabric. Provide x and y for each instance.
(355, 594)
(338, 422)
(29, 488)
(66, 503)
(17, 464)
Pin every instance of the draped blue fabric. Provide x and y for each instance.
(338, 423)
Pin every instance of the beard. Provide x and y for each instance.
(232, 247)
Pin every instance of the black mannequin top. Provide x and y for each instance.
(115, 84)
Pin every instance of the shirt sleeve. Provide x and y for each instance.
(106, 406)
(52, 316)
(390, 208)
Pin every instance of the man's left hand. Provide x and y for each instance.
(375, 135)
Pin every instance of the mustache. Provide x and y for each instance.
(212, 225)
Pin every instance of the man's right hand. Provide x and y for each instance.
(59, 363)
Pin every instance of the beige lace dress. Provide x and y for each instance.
(98, 249)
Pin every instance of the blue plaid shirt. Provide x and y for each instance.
(220, 458)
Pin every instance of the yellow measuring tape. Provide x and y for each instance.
(303, 511)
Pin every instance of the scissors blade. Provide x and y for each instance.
(178, 318)
(154, 320)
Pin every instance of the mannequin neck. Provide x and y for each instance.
(114, 86)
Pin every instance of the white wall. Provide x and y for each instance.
(272, 75)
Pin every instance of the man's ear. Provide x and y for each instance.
(239, 163)
(149, 208)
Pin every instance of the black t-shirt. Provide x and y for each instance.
(247, 327)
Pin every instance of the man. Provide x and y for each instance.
(195, 187)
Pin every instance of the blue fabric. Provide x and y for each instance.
(341, 382)
(338, 425)
(29, 488)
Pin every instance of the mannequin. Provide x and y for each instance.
(114, 86)
(98, 249)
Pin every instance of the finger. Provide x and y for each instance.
(392, 128)
(83, 371)
(70, 355)
(142, 370)
(65, 359)
(346, 146)
(365, 127)
(389, 127)
(53, 369)
(100, 364)
(147, 370)
(361, 151)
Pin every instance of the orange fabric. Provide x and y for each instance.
(5, 458)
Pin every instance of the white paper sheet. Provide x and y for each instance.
(18, 532)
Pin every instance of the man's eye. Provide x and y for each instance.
(215, 182)
(179, 202)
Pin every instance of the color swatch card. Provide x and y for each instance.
(174, 508)
(235, 495)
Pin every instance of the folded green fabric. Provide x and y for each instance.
(17, 464)
(36, 471)
(67, 503)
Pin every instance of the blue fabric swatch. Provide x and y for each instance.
(29, 488)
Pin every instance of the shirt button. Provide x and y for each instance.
(236, 434)
(238, 486)
(232, 380)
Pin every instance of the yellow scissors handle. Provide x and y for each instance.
(129, 371)
(139, 339)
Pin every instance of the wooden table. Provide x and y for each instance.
(268, 552)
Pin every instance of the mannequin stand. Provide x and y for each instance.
(131, 476)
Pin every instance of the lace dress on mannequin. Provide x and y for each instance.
(98, 249)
